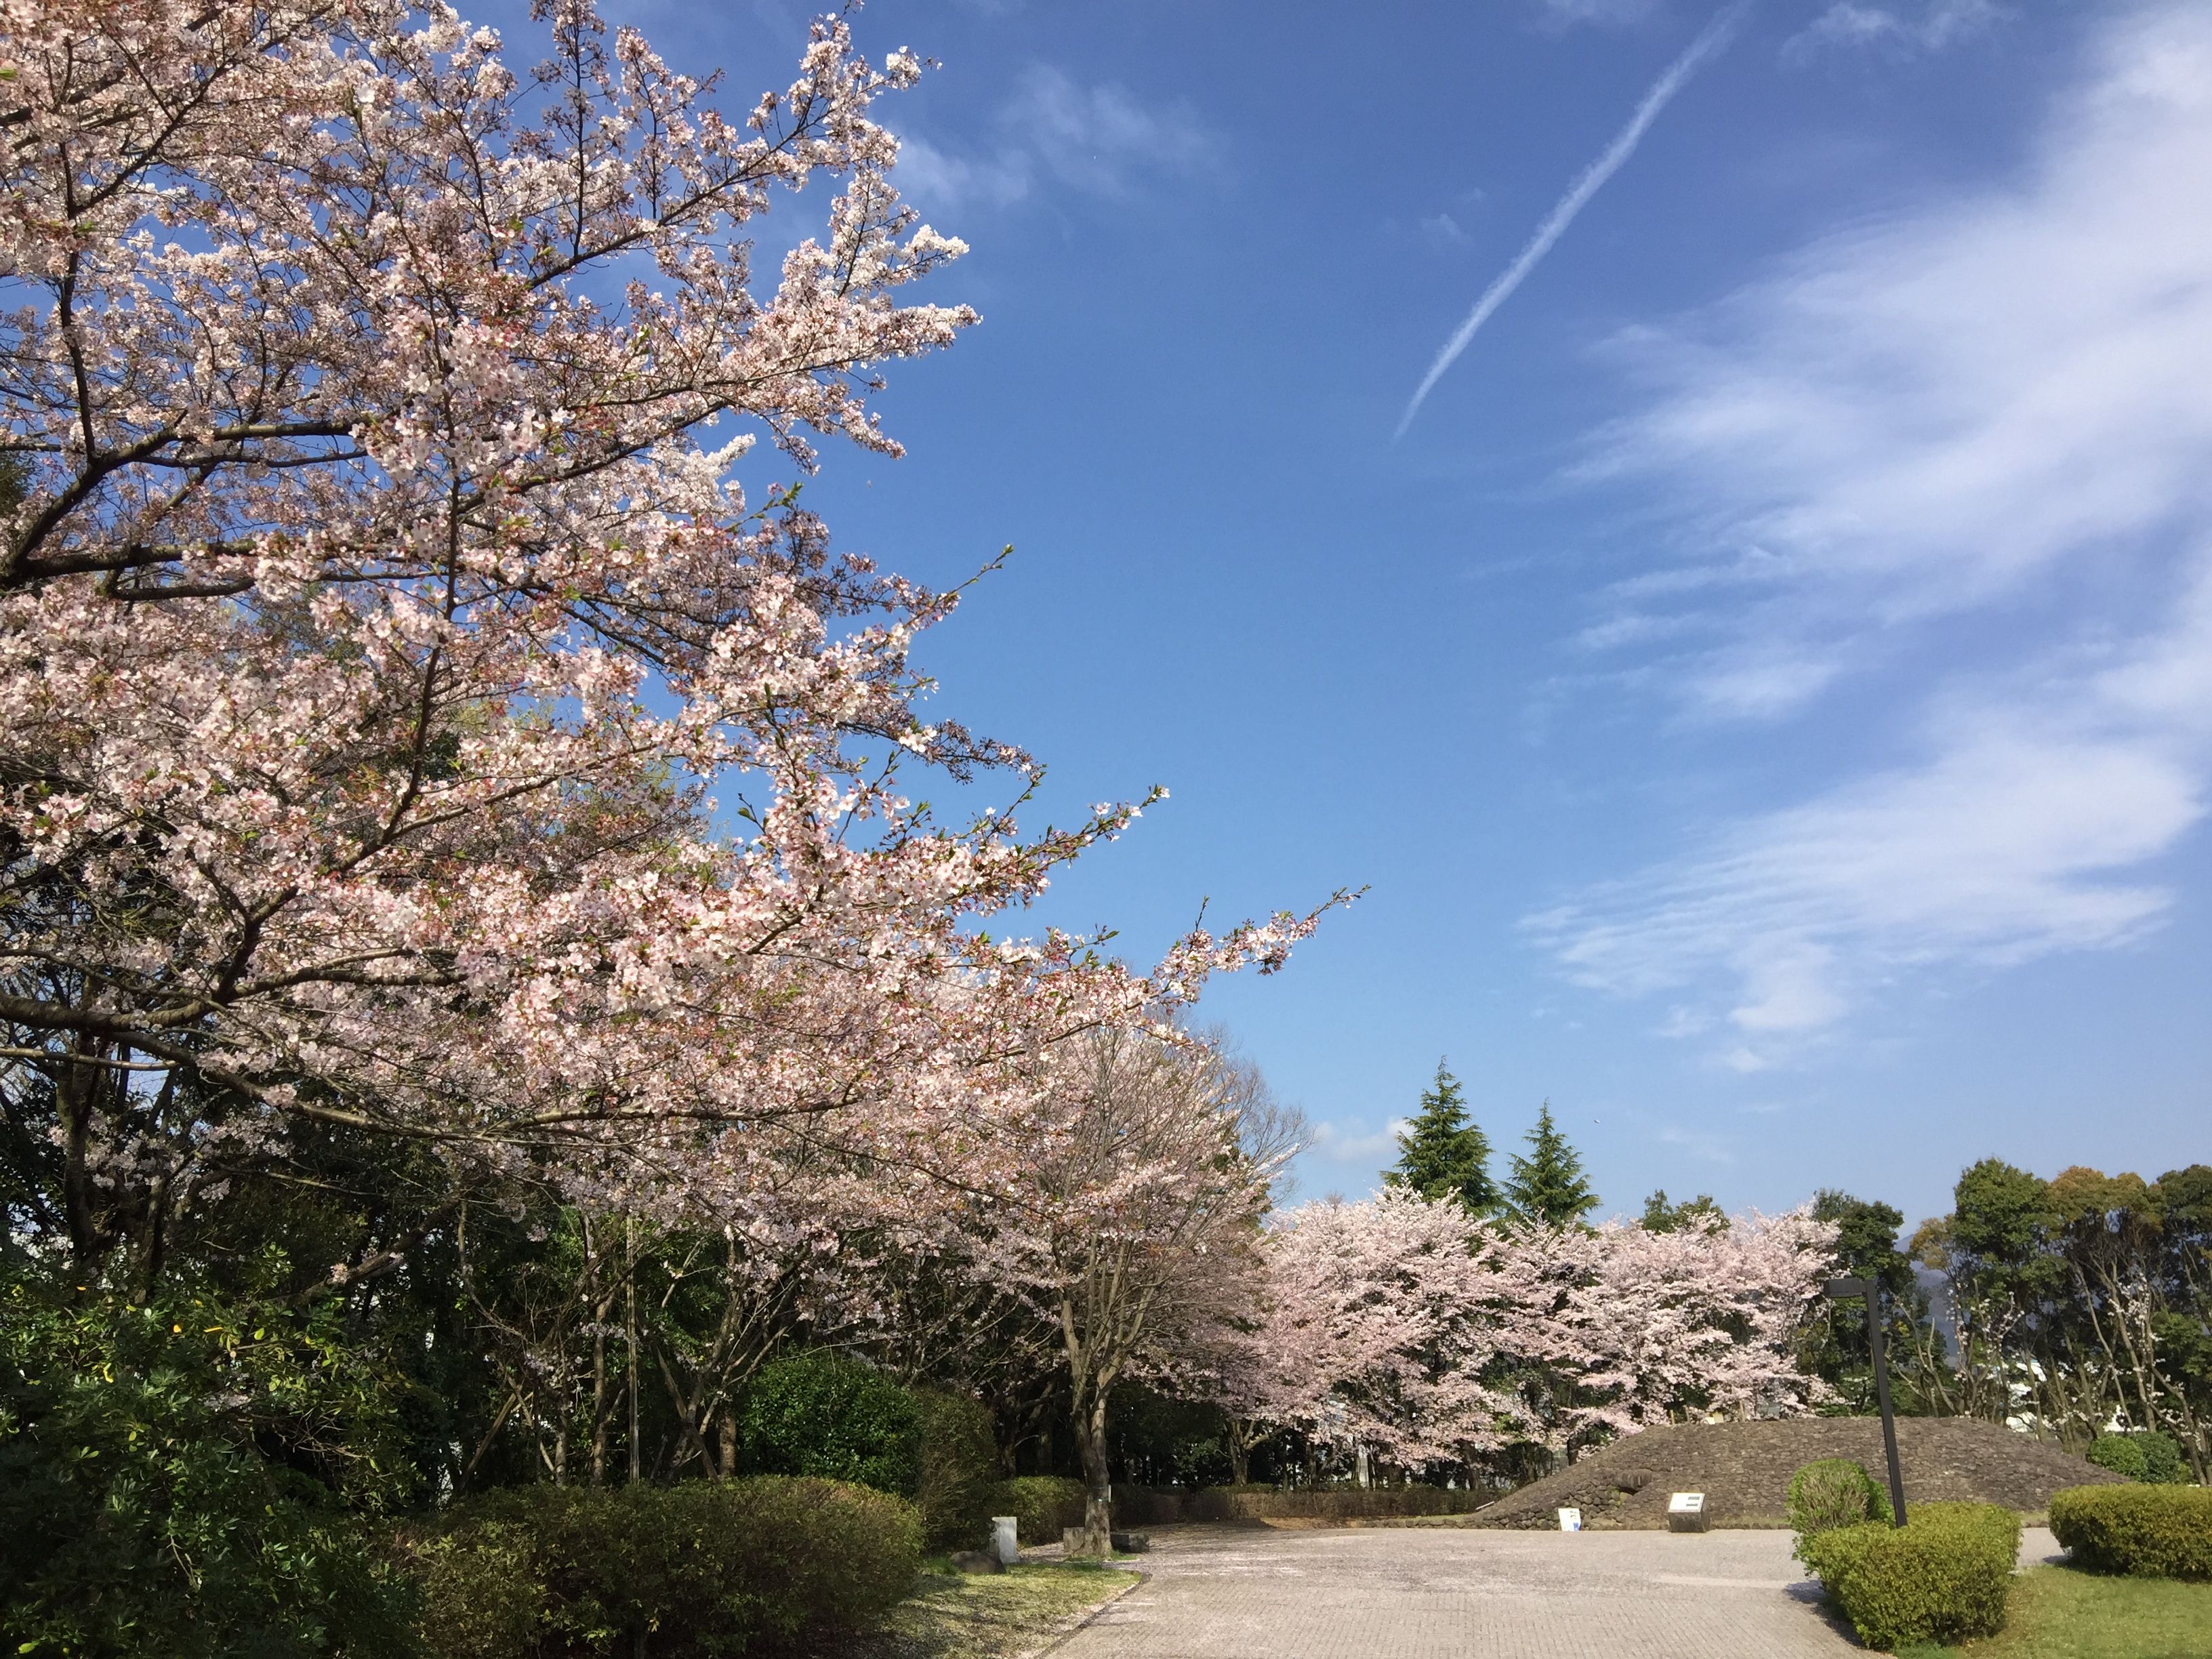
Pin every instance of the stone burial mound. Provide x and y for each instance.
(1744, 1470)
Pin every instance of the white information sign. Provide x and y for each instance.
(1571, 1520)
(1686, 1503)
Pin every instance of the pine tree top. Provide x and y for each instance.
(1549, 1185)
(1441, 1154)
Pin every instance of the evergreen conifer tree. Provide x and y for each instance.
(1549, 1186)
(1441, 1154)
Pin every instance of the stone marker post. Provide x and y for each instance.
(1003, 1539)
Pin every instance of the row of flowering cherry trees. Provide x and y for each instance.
(413, 724)
(1446, 1341)
(459, 839)
(447, 779)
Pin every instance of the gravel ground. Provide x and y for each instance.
(1248, 1593)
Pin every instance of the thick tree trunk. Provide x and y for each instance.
(1098, 1492)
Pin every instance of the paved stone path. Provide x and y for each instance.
(1409, 1593)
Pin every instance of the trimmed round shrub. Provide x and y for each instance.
(1943, 1577)
(2162, 1459)
(959, 1468)
(2147, 1532)
(1835, 1491)
(823, 1415)
(699, 1570)
(1042, 1506)
(2123, 1453)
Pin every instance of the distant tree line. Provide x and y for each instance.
(2070, 1308)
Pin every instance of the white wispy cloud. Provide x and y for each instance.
(1101, 138)
(1710, 40)
(1606, 12)
(1932, 27)
(1339, 1143)
(1442, 230)
(1932, 414)
(1902, 448)
(1052, 130)
(929, 175)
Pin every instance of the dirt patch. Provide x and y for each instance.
(1744, 1470)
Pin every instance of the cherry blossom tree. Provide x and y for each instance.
(1386, 1322)
(412, 723)
(1438, 1338)
(1633, 1328)
(1146, 1171)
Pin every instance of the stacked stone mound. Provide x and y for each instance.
(1744, 1470)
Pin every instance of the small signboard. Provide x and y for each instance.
(1571, 1520)
(1685, 1512)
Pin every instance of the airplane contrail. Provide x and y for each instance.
(1714, 36)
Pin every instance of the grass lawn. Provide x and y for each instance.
(993, 1615)
(2063, 1612)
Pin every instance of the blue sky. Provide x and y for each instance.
(1767, 690)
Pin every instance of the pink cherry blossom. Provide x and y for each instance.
(413, 721)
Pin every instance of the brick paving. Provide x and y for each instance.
(1399, 1593)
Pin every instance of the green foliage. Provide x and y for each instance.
(824, 1415)
(959, 1467)
(1549, 1186)
(1836, 1347)
(2000, 1221)
(1441, 1154)
(2147, 1532)
(1041, 1505)
(1155, 1439)
(198, 1475)
(1660, 1217)
(697, 1570)
(2146, 1454)
(2162, 1464)
(1832, 1492)
(2123, 1453)
(1943, 1577)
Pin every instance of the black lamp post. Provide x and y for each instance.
(1867, 1288)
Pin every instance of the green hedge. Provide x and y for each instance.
(1041, 1505)
(836, 1418)
(1942, 1577)
(1832, 1492)
(1331, 1503)
(2146, 1454)
(698, 1571)
(2147, 1532)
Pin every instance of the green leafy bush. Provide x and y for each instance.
(2148, 1532)
(960, 1466)
(836, 1418)
(2123, 1453)
(1832, 1492)
(1942, 1577)
(699, 1570)
(1041, 1505)
(196, 1476)
(2162, 1459)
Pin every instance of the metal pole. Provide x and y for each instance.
(1871, 1290)
(1881, 1394)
